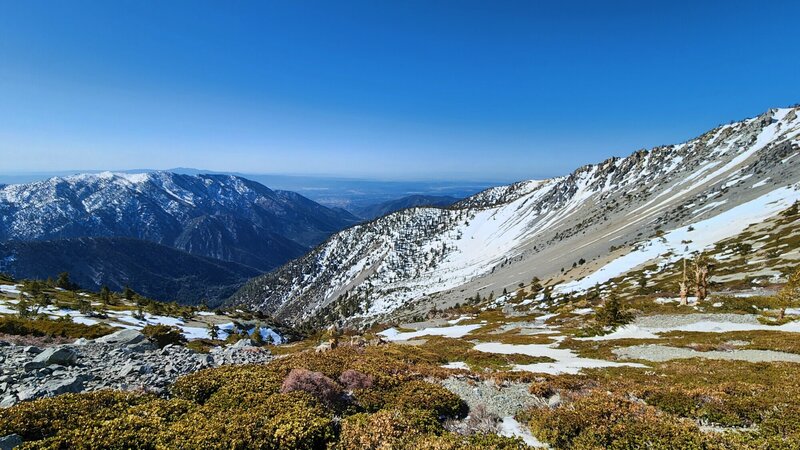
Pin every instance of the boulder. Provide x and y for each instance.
(123, 337)
(33, 365)
(554, 401)
(10, 441)
(129, 369)
(63, 386)
(8, 401)
(242, 343)
(55, 355)
(326, 346)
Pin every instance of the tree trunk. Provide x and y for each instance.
(684, 285)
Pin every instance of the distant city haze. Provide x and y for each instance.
(402, 91)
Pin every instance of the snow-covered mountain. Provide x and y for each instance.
(219, 216)
(605, 218)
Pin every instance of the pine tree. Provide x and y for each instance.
(256, 336)
(642, 282)
(65, 283)
(128, 293)
(43, 299)
(34, 288)
(105, 295)
(792, 211)
(213, 331)
(611, 314)
(84, 306)
(23, 307)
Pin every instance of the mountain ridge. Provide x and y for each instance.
(489, 242)
(220, 216)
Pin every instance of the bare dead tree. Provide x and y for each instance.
(789, 294)
(700, 277)
(684, 285)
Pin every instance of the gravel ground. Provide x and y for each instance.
(660, 353)
(679, 320)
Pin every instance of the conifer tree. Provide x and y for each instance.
(213, 331)
(611, 314)
(105, 295)
(256, 336)
(23, 307)
(65, 283)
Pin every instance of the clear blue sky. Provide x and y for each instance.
(408, 89)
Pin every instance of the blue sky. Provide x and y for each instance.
(394, 90)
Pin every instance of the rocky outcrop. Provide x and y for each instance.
(124, 360)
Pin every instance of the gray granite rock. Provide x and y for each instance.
(10, 441)
(64, 356)
(123, 360)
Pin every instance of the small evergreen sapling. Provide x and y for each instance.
(612, 314)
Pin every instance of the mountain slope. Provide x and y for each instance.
(412, 201)
(414, 259)
(153, 270)
(218, 216)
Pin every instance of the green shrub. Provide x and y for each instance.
(280, 421)
(164, 335)
(452, 441)
(603, 420)
(388, 428)
(429, 396)
(44, 418)
(63, 327)
(140, 427)
(232, 384)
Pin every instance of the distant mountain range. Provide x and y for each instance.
(224, 217)
(334, 192)
(412, 201)
(606, 220)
